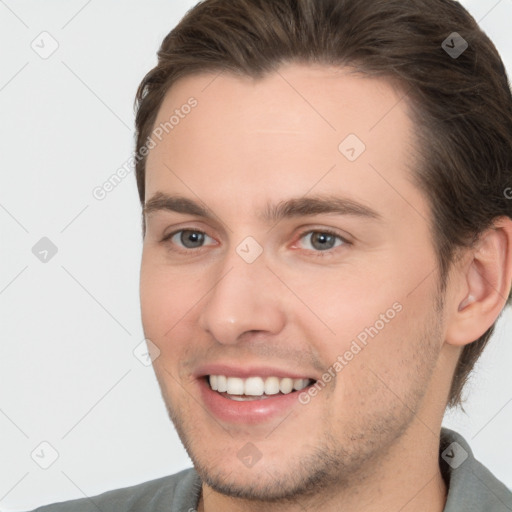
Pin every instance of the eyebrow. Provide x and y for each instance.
(272, 213)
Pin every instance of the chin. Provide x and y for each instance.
(286, 476)
(261, 485)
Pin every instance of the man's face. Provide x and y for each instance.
(267, 302)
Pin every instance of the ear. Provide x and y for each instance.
(483, 285)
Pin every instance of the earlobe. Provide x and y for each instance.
(484, 285)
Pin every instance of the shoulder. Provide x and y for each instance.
(175, 492)
(471, 486)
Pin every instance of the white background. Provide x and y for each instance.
(69, 326)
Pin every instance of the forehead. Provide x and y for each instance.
(300, 128)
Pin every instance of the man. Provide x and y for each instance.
(327, 247)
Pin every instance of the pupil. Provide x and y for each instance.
(191, 238)
(324, 240)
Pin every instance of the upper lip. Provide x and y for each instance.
(243, 371)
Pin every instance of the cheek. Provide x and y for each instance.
(152, 297)
(395, 366)
(370, 322)
(340, 306)
(167, 312)
(168, 297)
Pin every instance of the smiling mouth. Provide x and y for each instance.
(255, 388)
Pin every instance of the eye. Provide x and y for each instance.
(322, 240)
(188, 238)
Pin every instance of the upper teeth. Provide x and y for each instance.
(256, 386)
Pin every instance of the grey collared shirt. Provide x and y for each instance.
(471, 488)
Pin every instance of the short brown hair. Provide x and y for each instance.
(461, 105)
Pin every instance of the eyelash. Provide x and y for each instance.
(320, 254)
(328, 252)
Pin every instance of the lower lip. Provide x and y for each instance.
(250, 411)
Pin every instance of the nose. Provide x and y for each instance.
(245, 297)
